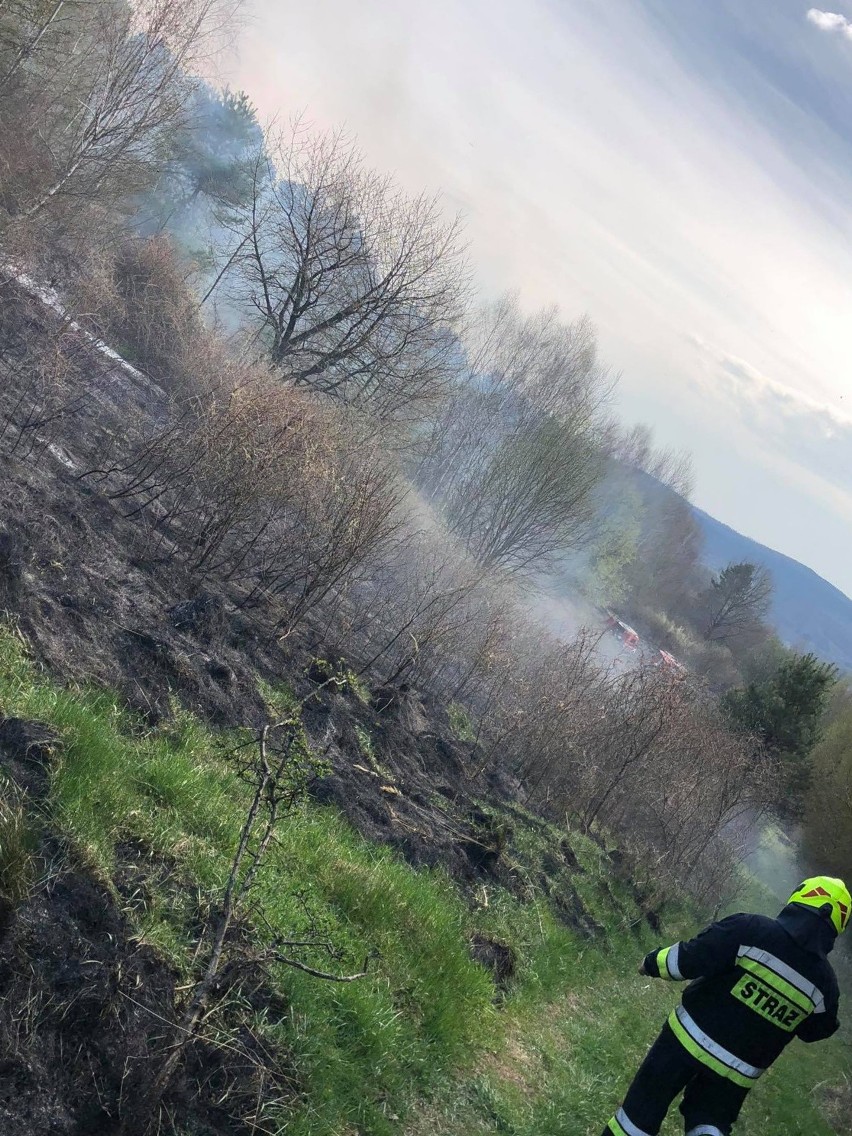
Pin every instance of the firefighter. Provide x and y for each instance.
(758, 983)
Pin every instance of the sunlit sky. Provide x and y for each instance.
(680, 170)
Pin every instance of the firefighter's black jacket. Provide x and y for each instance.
(758, 983)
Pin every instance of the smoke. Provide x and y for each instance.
(775, 860)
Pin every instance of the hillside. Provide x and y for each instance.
(807, 612)
(500, 998)
(498, 936)
(311, 822)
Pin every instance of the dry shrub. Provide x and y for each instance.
(330, 513)
(475, 653)
(256, 484)
(663, 630)
(140, 301)
(419, 604)
(644, 756)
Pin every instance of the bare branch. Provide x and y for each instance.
(285, 960)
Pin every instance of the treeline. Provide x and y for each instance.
(341, 440)
(827, 822)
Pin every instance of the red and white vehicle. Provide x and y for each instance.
(623, 631)
(668, 662)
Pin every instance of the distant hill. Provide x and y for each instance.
(808, 613)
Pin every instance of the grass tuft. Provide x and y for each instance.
(461, 723)
(17, 847)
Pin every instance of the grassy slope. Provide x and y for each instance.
(421, 1045)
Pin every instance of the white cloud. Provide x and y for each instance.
(752, 380)
(807, 432)
(831, 22)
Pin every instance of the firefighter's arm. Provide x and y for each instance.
(819, 1026)
(712, 952)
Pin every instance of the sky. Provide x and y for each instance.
(679, 170)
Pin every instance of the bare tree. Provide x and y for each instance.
(30, 23)
(513, 459)
(345, 504)
(94, 92)
(635, 447)
(530, 500)
(551, 363)
(417, 599)
(353, 285)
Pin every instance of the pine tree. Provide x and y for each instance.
(785, 713)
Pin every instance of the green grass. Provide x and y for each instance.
(423, 1044)
(564, 1060)
(343, 677)
(361, 1048)
(367, 748)
(358, 687)
(461, 723)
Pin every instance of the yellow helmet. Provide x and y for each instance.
(820, 891)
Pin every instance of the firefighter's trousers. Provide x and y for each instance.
(710, 1105)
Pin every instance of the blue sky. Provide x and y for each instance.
(681, 170)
